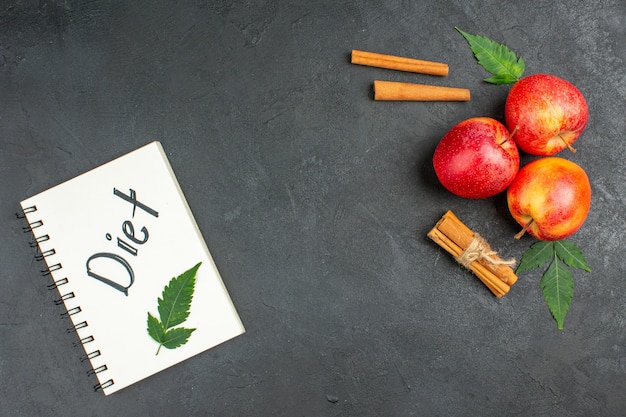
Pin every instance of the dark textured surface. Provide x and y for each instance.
(315, 201)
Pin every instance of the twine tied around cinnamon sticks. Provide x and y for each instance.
(479, 250)
(473, 252)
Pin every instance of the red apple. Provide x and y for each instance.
(476, 158)
(549, 112)
(550, 197)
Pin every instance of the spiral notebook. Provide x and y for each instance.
(131, 267)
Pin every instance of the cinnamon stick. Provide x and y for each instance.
(397, 91)
(473, 252)
(373, 59)
(463, 236)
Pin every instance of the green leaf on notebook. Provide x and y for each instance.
(176, 337)
(155, 328)
(496, 58)
(173, 307)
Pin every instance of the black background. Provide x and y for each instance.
(315, 201)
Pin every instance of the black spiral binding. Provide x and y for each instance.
(57, 284)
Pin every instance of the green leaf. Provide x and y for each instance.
(176, 302)
(536, 255)
(496, 58)
(174, 338)
(557, 285)
(571, 254)
(174, 309)
(155, 328)
(557, 282)
(501, 79)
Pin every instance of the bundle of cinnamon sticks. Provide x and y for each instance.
(474, 253)
(398, 91)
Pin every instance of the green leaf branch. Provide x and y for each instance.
(173, 307)
(502, 63)
(557, 282)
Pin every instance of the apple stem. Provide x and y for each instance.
(510, 136)
(521, 232)
(570, 147)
